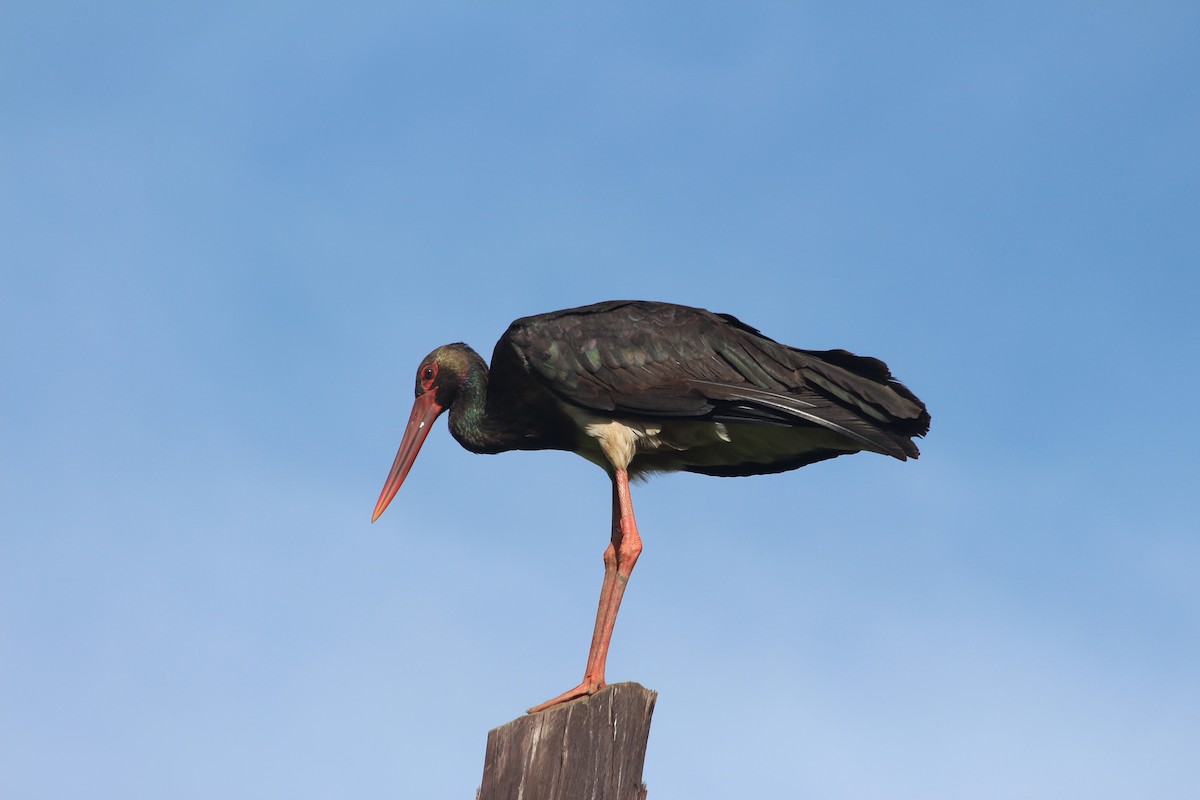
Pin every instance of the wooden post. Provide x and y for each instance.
(589, 749)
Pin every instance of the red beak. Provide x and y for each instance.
(425, 411)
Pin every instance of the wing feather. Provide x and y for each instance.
(666, 361)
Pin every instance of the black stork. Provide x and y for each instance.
(640, 387)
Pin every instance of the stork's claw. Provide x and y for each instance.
(586, 689)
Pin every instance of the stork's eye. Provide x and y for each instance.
(428, 373)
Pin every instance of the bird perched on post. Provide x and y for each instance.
(641, 387)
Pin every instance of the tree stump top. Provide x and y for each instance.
(593, 748)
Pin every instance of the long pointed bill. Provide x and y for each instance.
(425, 411)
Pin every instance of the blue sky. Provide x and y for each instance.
(228, 233)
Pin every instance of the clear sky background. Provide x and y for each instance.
(229, 232)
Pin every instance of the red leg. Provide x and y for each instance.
(610, 576)
(628, 548)
(619, 558)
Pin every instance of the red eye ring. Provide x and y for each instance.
(428, 374)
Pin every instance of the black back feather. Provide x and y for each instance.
(663, 361)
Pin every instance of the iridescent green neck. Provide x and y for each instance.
(469, 421)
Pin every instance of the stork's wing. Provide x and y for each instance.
(660, 360)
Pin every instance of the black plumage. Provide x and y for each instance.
(659, 362)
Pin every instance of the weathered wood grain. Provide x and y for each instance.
(589, 749)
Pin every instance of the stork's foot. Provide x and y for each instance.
(589, 687)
